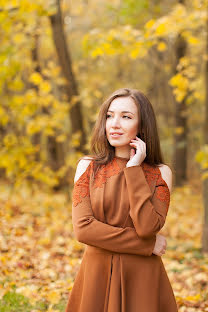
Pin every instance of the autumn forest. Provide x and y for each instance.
(59, 61)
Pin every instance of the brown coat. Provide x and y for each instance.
(117, 214)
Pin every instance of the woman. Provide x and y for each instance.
(120, 202)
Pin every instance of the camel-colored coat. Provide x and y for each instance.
(117, 214)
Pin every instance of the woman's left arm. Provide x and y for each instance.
(147, 215)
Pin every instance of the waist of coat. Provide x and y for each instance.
(92, 250)
(96, 250)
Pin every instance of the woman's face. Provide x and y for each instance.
(122, 117)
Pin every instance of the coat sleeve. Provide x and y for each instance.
(148, 212)
(91, 231)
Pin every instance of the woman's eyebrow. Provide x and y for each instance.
(122, 112)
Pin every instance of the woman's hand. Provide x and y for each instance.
(160, 245)
(136, 158)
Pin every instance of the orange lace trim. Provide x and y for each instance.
(150, 173)
(162, 191)
(105, 172)
(81, 187)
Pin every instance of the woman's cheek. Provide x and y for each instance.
(133, 132)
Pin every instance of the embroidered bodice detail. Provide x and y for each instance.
(150, 173)
(81, 187)
(162, 191)
(105, 172)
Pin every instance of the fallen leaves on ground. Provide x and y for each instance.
(40, 257)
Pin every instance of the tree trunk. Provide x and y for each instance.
(55, 150)
(205, 181)
(180, 138)
(37, 136)
(75, 113)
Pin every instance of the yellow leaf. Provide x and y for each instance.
(179, 94)
(205, 176)
(18, 38)
(179, 81)
(76, 137)
(161, 47)
(179, 130)
(96, 52)
(204, 165)
(134, 53)
(193, 298)
(44, 241)
(149, 24)
(199, 157)
(33, 127)
(36, 78)
(161, 29)
(10, 140)
(54, 297)
(97, 94)
(61, 138)
(193, 40)
(45, 87)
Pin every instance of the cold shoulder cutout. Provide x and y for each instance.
(81, 168)
(166, 174)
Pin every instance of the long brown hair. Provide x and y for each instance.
(103, 152)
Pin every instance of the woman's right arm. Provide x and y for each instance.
(90, 231)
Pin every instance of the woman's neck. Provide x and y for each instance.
(122, 153)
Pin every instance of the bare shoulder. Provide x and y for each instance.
(81, 167)
(166, 174)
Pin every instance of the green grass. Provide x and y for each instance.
(14, 302)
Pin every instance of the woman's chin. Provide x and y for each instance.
(117, 144)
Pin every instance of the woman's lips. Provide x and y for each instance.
(115, 135)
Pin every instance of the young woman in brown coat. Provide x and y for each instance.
(120, 201)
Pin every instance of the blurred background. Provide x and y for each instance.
(59, 60)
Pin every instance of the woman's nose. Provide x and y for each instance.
(115, 121)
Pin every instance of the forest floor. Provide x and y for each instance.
(39, 256)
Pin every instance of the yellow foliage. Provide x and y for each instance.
(4, 118)
(10, 140)
(61, 138)
(36, 78)
(16, 84)
(179, 11)
(45, 87)
(179, 130)
(161, 46)
(44, 222)
(193, 40)
(179, 81)
(201, 157)
(149, 24)
(96, 52)
(134, 53)
(181, 85)
(194, 298)
(205, 175)
(97, 94)
(161, 29)
(18, 38)
(75, 140)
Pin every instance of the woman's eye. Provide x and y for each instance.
(123, 116)
(127, 117)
